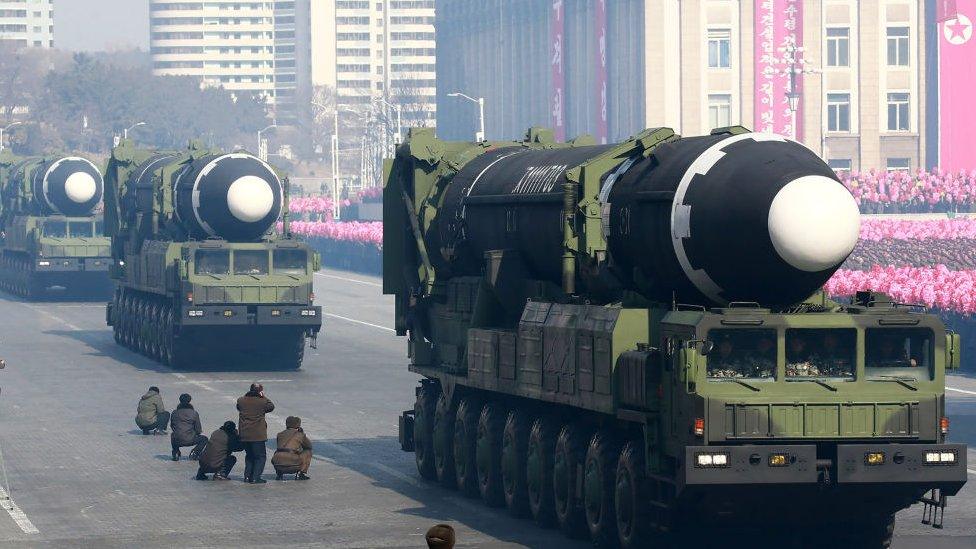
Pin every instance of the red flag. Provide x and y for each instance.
(946, 10)
(957, 80)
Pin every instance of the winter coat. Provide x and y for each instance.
(252, 424)
(291, 443)
(150, 405)
(185, 423)
(220, 445)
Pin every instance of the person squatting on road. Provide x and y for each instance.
(185, 422)
(254, 431)
(218, 457)
(151, 415)
(294, 453)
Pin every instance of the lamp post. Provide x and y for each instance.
(2, 130)
(794, 65)
(262, 149)
(480, 135)
(125, 132)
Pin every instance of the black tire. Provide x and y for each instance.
(463, 448)
(515, 439)
(423, 433)
(488, 453)
(875, 533)
(538, 471)
(599, 478)
(631, 499)
(443, 441)
(568, 458)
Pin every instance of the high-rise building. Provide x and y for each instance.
(244, 47)
(379, 49)
(611, 68)
(28, 23)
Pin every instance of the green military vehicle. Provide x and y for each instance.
(627, 340)
(51, 244)
(204, 276)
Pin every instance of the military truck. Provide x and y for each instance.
(628, 340)
(51, 242)
(204, 275)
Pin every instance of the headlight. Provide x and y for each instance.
(940, 458)
(228, 312)
(44, 263)
(779, 460)
(195, 312)
(874, 458)
(275, 312)
(308, 312)
(711, 460)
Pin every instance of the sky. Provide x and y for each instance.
(99, 25)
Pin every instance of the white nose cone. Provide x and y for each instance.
(80, 187)
(250, 198)
(814, 223)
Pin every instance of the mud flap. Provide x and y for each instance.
(406, 431)
(933, 508)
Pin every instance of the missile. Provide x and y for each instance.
(70, 186)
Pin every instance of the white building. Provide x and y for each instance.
(27, 23)
(245, 47)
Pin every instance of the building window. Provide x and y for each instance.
(719, 48)
(839, 47)
(719, 110)
(899, 164)
(898, 46)
(840, 164)
(898, 110)
(838, 112)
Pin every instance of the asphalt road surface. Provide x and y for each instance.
(79, 474)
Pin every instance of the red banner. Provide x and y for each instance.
(557, 27)
(779, 27)
(945, 10)
(957, 80)
(601, 71)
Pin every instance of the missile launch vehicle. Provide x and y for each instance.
(204, 275)
(629, 340)
(51, 244)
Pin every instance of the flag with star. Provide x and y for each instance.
(957, 80)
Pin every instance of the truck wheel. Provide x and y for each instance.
(875, 533)
(464, 441)
(568, 458)
(423, 434)
(599, 478)
(515, 438)
(631, 498)
(443, 443)
(488, 453)
(538, 471)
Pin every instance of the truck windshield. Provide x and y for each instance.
(290, 261)
(898, 352)
(81, 229)
(55, 229)
(827, 353)
(251, 262)
(212, 262)
(742, 353)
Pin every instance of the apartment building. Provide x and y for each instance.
(27, 23)
(861, 97)
(244, 47)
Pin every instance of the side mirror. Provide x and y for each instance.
(316, 262)
(953, 349)
(707, 347)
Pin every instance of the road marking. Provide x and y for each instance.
(199, 384)
(52, 316)
(16, 513)
(972, 472)
(960, 391)
(353, 320)
(188, 380)
(363, 282)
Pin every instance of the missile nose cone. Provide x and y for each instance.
(80, 187)
(250, 198)
(814, 223)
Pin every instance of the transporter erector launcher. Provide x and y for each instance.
(629, 339)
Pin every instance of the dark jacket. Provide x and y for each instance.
(291, 443)
(252, 424)
(149, 406)
(185, 423)
(221, 445)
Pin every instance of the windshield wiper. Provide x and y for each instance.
(903, 381)
(817, 381)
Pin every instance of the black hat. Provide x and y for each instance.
(185, 398)
(440, 536)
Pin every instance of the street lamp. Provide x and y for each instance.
(125, 132)
(480, 135)
(794, 65)
(2, 130)
(398, 136)
(262, 150)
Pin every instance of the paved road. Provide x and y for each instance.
(81, 475)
